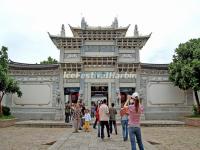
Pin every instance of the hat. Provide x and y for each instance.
(134, 95)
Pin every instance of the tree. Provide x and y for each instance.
(184, 71)
(7, 83)
(49, 60)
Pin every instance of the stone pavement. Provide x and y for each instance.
(90, 141)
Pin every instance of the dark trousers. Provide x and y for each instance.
(104, 123)
(67, 115)
(95, 123)
(113, 123)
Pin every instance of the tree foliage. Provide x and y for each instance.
(7, 83)
(184, 71)
(49, 60)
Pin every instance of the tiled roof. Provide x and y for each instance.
(154, 66)
(24, 66)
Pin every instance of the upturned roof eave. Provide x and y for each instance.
(66, 37)
(135, 37)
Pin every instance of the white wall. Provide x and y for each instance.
(127, 84)
(34, 94)
(99, 54)
(164, 93)
(195, 98)
(3, 103)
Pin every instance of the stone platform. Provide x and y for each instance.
(43, 124)
(62, 124)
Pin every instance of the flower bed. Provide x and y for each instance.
(7, 122)
(192, 122)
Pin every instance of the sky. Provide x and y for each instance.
(24, 24)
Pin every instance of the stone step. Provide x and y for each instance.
(43, 124)
(61, 124)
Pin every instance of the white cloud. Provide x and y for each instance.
(24, 24)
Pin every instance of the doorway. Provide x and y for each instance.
(71, 94)
(98, 93)
(124, 92)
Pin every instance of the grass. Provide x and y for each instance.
(6, 117)
(197, 116)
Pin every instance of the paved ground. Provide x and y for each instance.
(90, 141)
(20, 138)
(165, 138)
(173, 138)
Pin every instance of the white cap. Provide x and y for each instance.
(134, 95)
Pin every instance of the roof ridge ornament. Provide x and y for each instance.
(115, 23)
(83, 23)
(62, 32)
(136, 32)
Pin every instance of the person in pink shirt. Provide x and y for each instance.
(135, 110)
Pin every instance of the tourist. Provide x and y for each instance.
(95, 123)
(76, 116)
(112, 120)
(104, 118)
(124, 122)
(87, 118)
(67, 112)
(72, 110)
(98, 118)
(93, 110)
(135, 110)
(82, 105)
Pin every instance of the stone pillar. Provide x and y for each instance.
(60, 108)
(109, 93)
(82, 88)
(116, 90)
(89, 95)
(137, 55)
(62, 55)
(85, 93)
(137, 81)
(113, 92)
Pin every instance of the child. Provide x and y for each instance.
(87, 118)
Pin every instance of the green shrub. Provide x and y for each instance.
(195, 110)
(6, 111)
